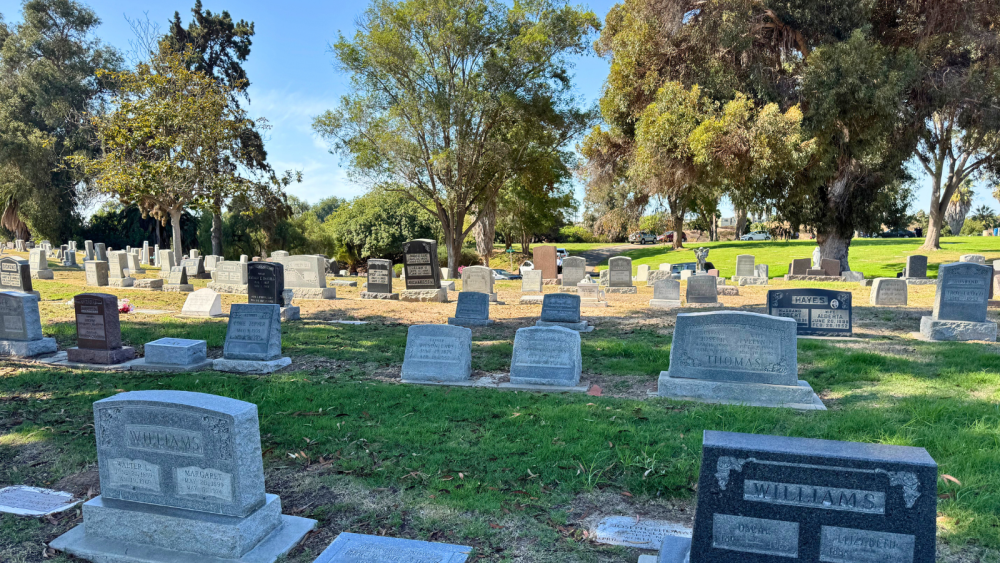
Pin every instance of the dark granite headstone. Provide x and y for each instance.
(800, 266)
(420, 262)
(379, 276)
(561, 308)
(830, 267)
(702, 289)
(98, 331)
(253, 333)
(770, 499)
(265, 283)
(916, 267)
(544, 259)
(15, 275)
(962, 292)
(818, 312)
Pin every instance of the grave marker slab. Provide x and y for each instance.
(98, 331)
(194, 267)
(478, 279)
(203, 303)
(15, 275)
(174, 354)
(306, 276)
(437, 353)
(88, 253)
(178, 280)
(801, 266)
(817, 312)
(973, 258)
(117, 266)
(636, 533)
(657, 275)
(562, 309)
(21, 326)
(379, 284)
(180, 470)
(265, 283)
(736, 357)
(473, 309)
(916, 267)
(642, 273)
(702, 291)
(100, 252)
(133, 265)
(574, 269)
(420, 264)
(38, 263)
(34, 501)
(165, 258)
(96, 273)
(253, 340)
(830, 267)
(531, 281)
(745, 266)
(960, 304)
(620, 275)
(546, 355)
(545, 260)
(358, 548)
(230, 277)
(666, 294)
(888, 292)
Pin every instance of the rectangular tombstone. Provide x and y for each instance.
(178, 276)
(211, 261)
(144, 256)
(420, 264)
(800, 266)
(531, 281)
(666, 267)
(380, 276)
(888, 292)
(19, 317)
(230, 273)
(561, 308)
(194, 267)
(745, 266)
(574, 269)
(962, 292)
(642, 273)
(178, 352)
(265, 283)
(589, 292)
(15, 275)
(165, 258)
(437, 353)
(817, 312)
(702, 289)
(100, 252)
(477, 279)
(916, 267)
(546, 355)
(973, 258)
(253, 333)
(358, 548)
(97, 323)
(620, 271)
(38, 260)
(203, 303)
(304, 271)
(473, 309)
(117, 264)
(133, 264)
(772, 498)
(667, 290)
(545, 260)
(96, 273)
(831, 267)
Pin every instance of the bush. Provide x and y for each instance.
(575, 234)
(973, 227)
(469, 257)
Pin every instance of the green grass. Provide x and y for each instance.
(873, 257)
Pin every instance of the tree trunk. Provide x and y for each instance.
(741, 222)
(485, 232)
(454, 243)
(176, 246)
(936, 220)
(217, 227)
(834, 237)
(677, 220)
(835, 246)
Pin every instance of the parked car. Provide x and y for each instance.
(642, 238)
(501, 274)
(561, 253)
(898, 233)
(669, 237)
(756, 235)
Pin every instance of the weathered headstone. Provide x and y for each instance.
(182, 479)
(230, 277)
(545, 260)
(745, 266)
(178, 280)
(379, 284)
(546, 355)
(562, 309)
(38, 263)
(117, 270)
(635, 532)
(888, 292)
(620, 275)
(21, 326)
(817, 312)
(253, 340)
(702, 291)
(133, 264)
(96, 273)
(194, 267)
(306, 276)
(358, 548)
(591, 294)
(574, 269)
(473, 309)
(657, 275)
(244, 258)
(34, 501)
(642, 273)
(666, 294)
(88, 252)
(973, 258)
(916, 267)
(211, 261)
(100, 252)
(800, 266)
(736, 357)
(165, 259)
(665, 267)
(478, 279)
(144, 257)
(98, 330)
(437, 353)
(960, 304)
(15, 275)
(761, 271)
(531, 281)
(772, 498)
(203, 303)
(174, 354)
(19, 245)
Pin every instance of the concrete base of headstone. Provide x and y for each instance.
(491, 383)
(102, 537)
(664, 303)
(424, 295)
(43, 275)
(179, 287)
(630, 289)
(121, 282)
(142, 365)
(385, 296)
(799, 397)
(852, 276)
(728, 290)
(567, 289)
(138, 271)
(27, 349)
(314, 293)
(469, 323)
(532, 299)
(920, 281)
(447, 285)
(751, 281)
(251, 366)
(103, 357)
(343, 283)
(290, 313)
(790, 277)
(704, 305)
(232, 288)
(584, 303)
(866, 283)
(154, 284)
(675, 549)
(932, 329)
(581, 326)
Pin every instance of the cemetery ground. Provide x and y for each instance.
(521, 476)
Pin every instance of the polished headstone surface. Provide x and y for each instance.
(545, 261)
(203, 303)
(830, 267)
(800, 266)
(817, 312)
(561, 308)
(97, 323)
(916, 267)
(702, 289)
(888, 292)
(546, 356)
(379, 276)
(771, 498)
(473, 309)
(437, 353)
(574, 269)
(357, 548)
(620, 271)
(420, 265)
(253, 333)
(962, 292)
(265, 283)
(15, 275)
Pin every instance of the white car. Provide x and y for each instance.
(756, 235)
(526, 267)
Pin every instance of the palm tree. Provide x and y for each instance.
(959, 207)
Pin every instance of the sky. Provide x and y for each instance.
(293, 77)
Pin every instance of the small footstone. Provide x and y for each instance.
(151, 284)
(34, 501)
(384, 296)
(174, 354)
(355, 548)
(290, 313)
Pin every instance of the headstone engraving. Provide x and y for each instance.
(745, 266)
(15, 275)
(21, 326)
(203, 303)
(265, 283)
(96, 273)
(473, 309)
(305, 275)
(253, 340)
(702, 291)
(546, 355)
(98, 331)
(963, 291)
(194, 267)
(34, 501)
(478, 279)
(635, 532)
(230, 277)
(574, 269)
(545, 260)
(620, 275)
(817, 312)
(888, 292)
(420, 262)
(379, 285)
(357, 548)
(666, 294)
(562, 309)
(437, 353)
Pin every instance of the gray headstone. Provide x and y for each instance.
(178, 276)
(531, 281)
(472, 307)
(117, 264)
(34, 501)
(133, 264)
(244, 258)
(100, 252)
(667, 290)
(635, 532)
(357, 548)
(194, 253)
(761, 271)
(657, 275)
(574, 269)
(253, 333)
(38, 260)
(546, 355)
(800, 266)
(642, 273)
(745, 266)
(437, 353)
(203, 303)
(19, 317)
(962, 292)
(379, 276)
(561, 308)
(96, 273)
(620, 272)
(702, 289)
(772, 498)
(194, 267)
(211, 261)
(230, 273)
(887, 292)
(303, 270)
(973, 258)
(15, 275)
(178, 352)
(165, 259)
(69, 258)
(916, 267)
(477, 279)
(589, 292)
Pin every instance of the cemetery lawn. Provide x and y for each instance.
(519, 476)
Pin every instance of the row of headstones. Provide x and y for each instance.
(177, 464)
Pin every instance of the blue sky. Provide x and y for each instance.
(293, 78)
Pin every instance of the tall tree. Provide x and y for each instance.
(217, 46)
(438, 88)
(958, 207)
(48, 86)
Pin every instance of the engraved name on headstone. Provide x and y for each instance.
(420, 264)
(817, 312)
(265, 283)
(574, 269)
(15, 275)
(379, 276)
(531, 281)
(620, 272)
(546, 355)
(437, 353)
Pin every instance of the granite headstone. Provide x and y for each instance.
(546, 355)
(817, 312)
(437, 353)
